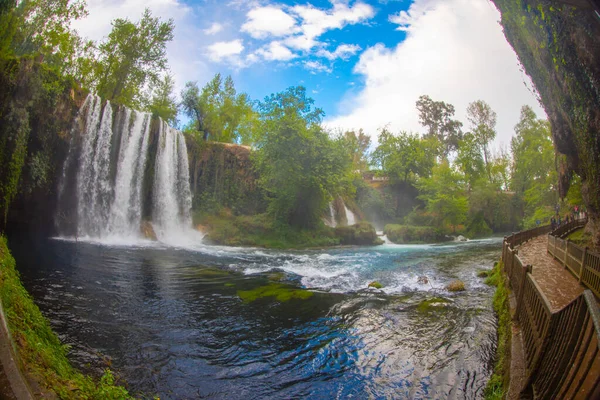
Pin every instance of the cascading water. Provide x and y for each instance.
(126, 210)
(112, 169)
(349, 216)
(332, 215)
(172, 195)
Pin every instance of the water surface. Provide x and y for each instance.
(173, 321)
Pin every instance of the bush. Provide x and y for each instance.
(413, 234)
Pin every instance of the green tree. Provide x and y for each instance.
(444, 196)
(163, 103)
(357, 145)
(300, 166)
(469, 160)
(219, 111)
(405, 156)
(133, 56)
(483, 126)
(437, 117)
(534, 176)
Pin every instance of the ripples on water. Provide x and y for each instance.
(171, 320)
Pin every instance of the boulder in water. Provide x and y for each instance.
(375, 285)
(456, 286)
(423, 280)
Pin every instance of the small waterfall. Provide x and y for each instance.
(111, 182)
(349, 216)
(330, 220)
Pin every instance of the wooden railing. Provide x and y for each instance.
(562, 354)
(582, 262)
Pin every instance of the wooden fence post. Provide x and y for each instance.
(528, 269)
(585, 250)
(566, 252)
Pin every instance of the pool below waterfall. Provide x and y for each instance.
(240, 323)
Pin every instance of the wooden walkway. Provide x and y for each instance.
(556, 282)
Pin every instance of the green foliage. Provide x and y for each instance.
(13, 141)
(534, 176)
(436, 116)
(38, 346)
(357, 145)
(498, 384)
(300, 166)
(372, 202)
(483, 127)
(444, 196)
(133, 55)
(404, 157)
(163, 104)
(477, 227)
(219, 112)
(407, 234)
(260, 230)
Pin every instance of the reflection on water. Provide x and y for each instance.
(173, 324)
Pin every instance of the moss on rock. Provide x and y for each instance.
(279, 291)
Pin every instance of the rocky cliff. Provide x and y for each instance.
(559, 48)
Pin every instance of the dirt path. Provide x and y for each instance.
(556, 282)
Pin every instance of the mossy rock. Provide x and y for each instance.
(276, 276)
(280, 292)
(375, 285)
(484, 273)
(426, 305)
(456, 286)
(362, 233)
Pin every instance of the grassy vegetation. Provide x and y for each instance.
(413, 234)
(260, 230)
(498, 383)
(582, 238)
(40, 350)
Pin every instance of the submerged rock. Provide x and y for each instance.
(277, 290)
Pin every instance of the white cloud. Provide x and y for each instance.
(213, 29)
(275, 51)
(343, 51)
(225, 50)
(101, 12)
(315, 67)
(455, 52)
(316, 22)
(269, 21)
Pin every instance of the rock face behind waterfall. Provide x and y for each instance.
(123, 167)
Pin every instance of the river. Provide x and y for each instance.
(185, 323)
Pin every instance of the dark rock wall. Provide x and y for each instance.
(559, 48)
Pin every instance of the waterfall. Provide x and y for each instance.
(110, 155)
(349, 216)
(172, 195)
(126, 210)
(332, 215)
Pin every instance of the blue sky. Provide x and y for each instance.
(364, 62)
